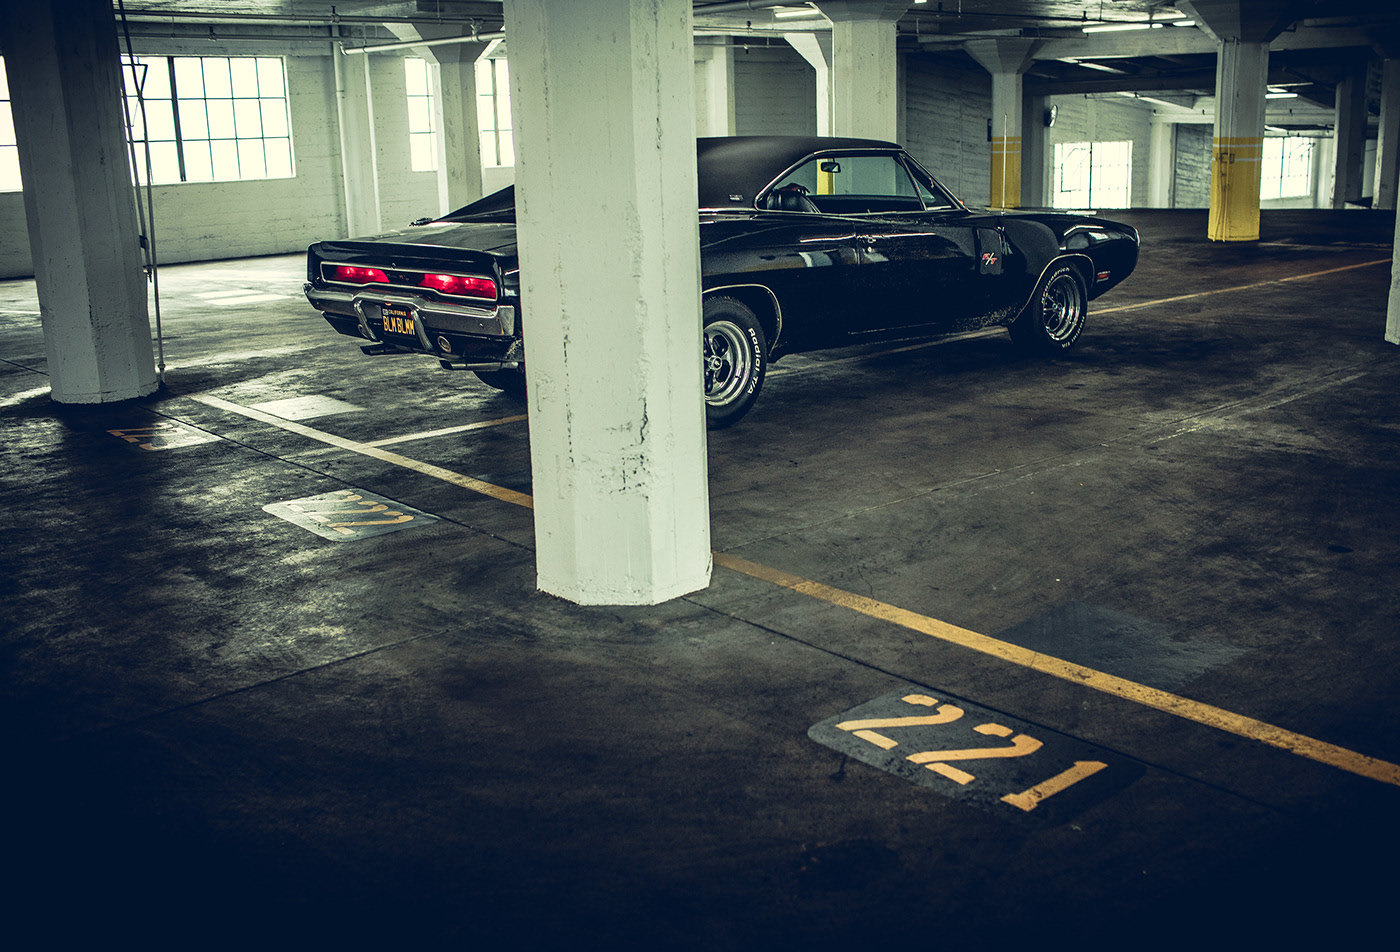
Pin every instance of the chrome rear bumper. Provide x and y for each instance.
(435, 323)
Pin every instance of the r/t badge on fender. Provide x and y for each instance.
(971, 753)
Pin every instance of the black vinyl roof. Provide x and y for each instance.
(733, 169)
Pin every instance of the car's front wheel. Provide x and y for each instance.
(1053, 319)
(734, 360)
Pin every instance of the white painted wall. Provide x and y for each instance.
(207, 221)
(775, 92)
(945, 123)
(1082, 119)
(404, 195)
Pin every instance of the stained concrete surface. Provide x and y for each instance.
(224, 728)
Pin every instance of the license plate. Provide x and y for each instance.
(397, 320)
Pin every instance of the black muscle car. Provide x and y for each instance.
(805, 243)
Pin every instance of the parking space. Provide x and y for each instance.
(994, 647)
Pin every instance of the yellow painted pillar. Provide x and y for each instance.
(1006, 140)
(1241, 79)
(1006, 172)
(1006, 59)
(1234, 188)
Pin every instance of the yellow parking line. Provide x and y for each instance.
(1185, 708)
(1182, 707)
(1240, 287)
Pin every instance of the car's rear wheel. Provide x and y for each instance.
(734, 360)
(509, 382)
(1053, 319)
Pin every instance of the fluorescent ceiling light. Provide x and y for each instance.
(1280, 95)
(1118, 27)
(1161, 102)
(1102, 68)
(793, 14)
(1175, 19)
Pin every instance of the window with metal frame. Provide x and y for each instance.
(1093, 175)
(209, 118)
(422, 124)
(493, 112)
(1287, 170)
(9, 149)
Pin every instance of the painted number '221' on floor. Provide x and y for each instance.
(941, 761)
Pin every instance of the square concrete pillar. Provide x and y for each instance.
(1006, 59)
(1388, 136)
(606, 198)
(816, 50)
(865, 64)
(459, 144)
(66, 94)
(359, 165)
(1350, 135)
(714, 86)
(1241, 78)
(453, 79)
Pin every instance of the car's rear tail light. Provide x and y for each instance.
(459, 285)
(353, 275)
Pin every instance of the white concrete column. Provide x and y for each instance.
(714, 86)
(1392, 312)
(865, 62)
(816, 50)
(458, 141)
(359, 164)
(610, 273)
(1161, 163)
(1241, 81)
(452, 74)
(1006, 60)
(1388, 141)
(66, 92)
(1350, 135)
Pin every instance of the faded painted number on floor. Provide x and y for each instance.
(978, 755)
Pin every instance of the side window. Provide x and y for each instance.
(867, 175)
(855, 184)
(932, 194)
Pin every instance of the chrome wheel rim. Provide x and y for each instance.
(726, 362)
(1062, 309)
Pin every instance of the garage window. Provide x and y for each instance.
(493, 112)
(1093, 174)
(1287, 169)
(209, 118)
(9, 151)
(422, 129)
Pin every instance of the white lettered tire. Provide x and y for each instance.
(734, 360)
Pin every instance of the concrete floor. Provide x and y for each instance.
(223, 727)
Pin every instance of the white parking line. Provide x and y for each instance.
(446, 431)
